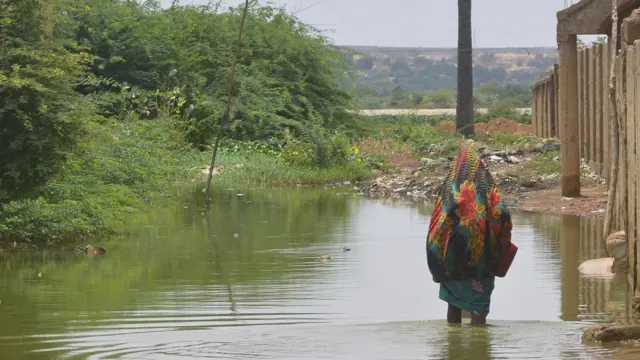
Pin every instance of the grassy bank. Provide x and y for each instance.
(403, 140)
(417, 136)
(261, 169)
(125, 168)
(118, 169)
(121, 169)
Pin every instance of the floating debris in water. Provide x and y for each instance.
(39, 275)
(346, 249)
(91, 249)
(236, 235)
(325, 257)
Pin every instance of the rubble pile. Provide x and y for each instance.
(424, 182)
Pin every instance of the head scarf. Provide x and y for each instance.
(470, 224)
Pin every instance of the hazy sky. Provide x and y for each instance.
(427, 23)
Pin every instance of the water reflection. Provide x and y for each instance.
(471, 343)
(246, 281)
(570, 255)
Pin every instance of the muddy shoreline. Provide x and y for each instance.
(529, 193)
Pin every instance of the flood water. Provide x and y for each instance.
(249, 284)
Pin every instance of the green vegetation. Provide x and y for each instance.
(488, 95)
(401, 141)
(106, 104)
(542, 164)
(291, 162)
(390, 139)
(426, 78)
(113, 173)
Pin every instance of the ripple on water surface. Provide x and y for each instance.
(256, 288)
(399, 340)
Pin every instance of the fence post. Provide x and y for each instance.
(554, 100)
(598, 106)
(569, 126)
(540, 104)
(582, 103)
(606, 118)
(631, 74)
(591, 92)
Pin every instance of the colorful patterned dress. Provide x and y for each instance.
(469, 227)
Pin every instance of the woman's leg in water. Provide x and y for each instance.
(477, 319)
(454, 315)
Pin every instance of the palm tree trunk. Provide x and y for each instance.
(464, 107)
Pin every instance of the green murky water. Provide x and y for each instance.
(249, 284)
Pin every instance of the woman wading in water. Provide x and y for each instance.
(469, 237)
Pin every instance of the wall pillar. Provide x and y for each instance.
(568, 116)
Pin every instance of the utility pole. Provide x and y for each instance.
(475, 39)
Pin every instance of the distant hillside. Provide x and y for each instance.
(396, 71)
(419, 69)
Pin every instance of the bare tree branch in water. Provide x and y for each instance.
(225, 117)
(616, 123)
(219, 267)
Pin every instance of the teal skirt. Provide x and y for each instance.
(473, 296)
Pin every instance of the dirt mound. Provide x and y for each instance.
(500, 125)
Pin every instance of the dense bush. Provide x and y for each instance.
(103, 182)
(40, 113)
(288, 73)
(104, 103)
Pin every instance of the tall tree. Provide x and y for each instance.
(464, 106)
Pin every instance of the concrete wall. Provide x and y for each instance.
(595, 123)
(544, 106)
(593, 104)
